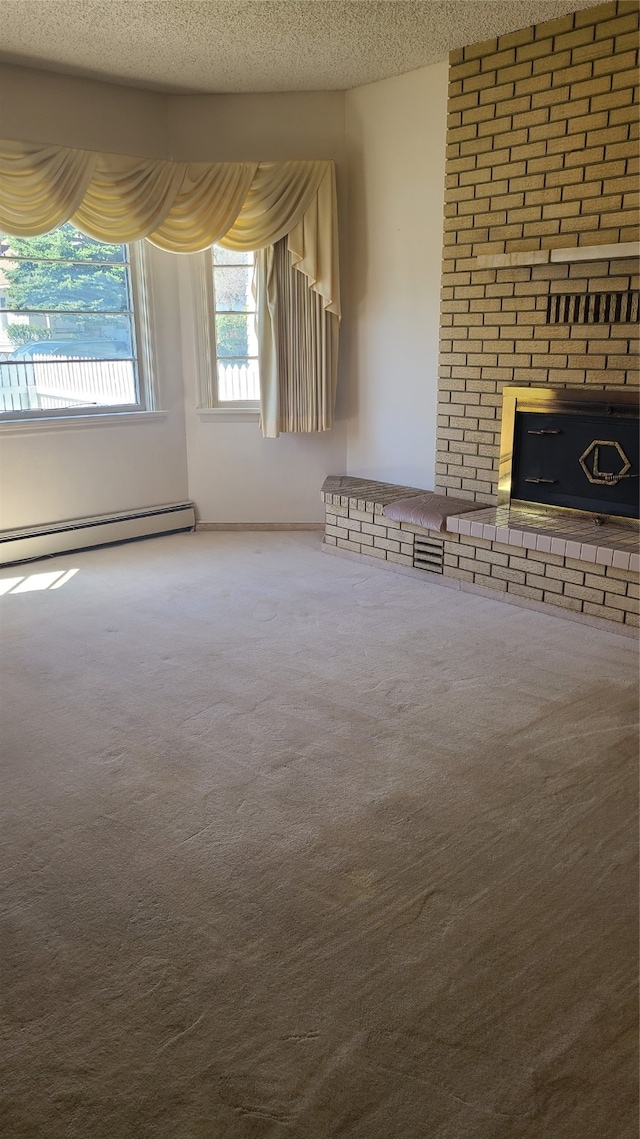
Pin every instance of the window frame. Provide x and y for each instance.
(145, 374)
(204, 313)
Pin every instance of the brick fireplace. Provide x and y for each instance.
(542, 156)
(539, 289)
(541, 206)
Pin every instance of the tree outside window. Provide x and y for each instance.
(66, 323)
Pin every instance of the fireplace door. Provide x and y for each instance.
(577, 450)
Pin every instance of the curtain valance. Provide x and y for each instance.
(182, 207)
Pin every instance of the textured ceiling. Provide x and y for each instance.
(266, 45)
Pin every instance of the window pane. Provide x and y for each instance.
(230, 257)
(64, 243)
(238, 380)
(45, 285)
(235, 323)
(66, 323)
(48, 382)
(232, 288)
(64, 334)
(235, 334)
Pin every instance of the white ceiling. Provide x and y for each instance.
(264, 45)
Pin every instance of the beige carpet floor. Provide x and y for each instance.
(297, 849)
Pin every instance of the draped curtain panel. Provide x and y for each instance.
(298, 347)
(185, 207)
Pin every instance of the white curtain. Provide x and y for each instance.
(184, 207)
(298, 348)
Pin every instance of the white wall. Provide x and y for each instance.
(62, 473)
(234, 474)
(229, 471)
(393, 157)
(396, 145)
(54, 473)
(39, 106)
(237, 128)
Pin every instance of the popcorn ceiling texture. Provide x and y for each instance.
(197, 46)
(542, 153)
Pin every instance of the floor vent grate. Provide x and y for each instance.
(428, 554)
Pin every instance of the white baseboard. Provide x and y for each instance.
(260, 526)
(82, 533)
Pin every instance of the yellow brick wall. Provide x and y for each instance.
(542, 152)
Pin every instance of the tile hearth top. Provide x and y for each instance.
(537, 528)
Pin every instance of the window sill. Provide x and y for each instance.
(77, 422)
(230, 414)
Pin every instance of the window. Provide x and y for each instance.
(68, 336)
(237, 377)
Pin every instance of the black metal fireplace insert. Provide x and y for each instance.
(570, 448)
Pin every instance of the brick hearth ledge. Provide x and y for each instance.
(533, 557)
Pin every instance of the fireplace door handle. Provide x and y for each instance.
(545, 431)
(541, 480)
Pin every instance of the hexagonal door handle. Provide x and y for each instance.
(594, 474)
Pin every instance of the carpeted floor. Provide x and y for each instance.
(297, 849)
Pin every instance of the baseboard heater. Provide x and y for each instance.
(101, 530)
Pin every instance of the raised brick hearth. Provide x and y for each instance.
(600, 583)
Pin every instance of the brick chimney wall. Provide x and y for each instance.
(542, 153)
